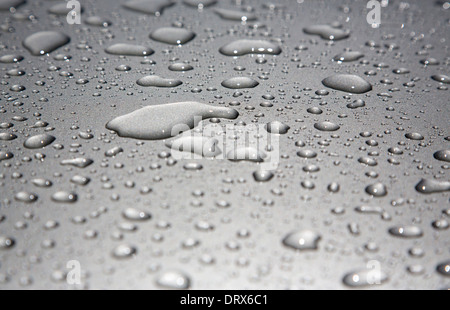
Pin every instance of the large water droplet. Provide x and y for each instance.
(126, 49)
(39, 141)
(244, 47)
(426, 186)
(377, 190)
(327, 32)
(302, 240)
(41, 43)
(157, 81)
(406, 231)
(443, 155)
(235, 15)
(152, 7)
(172, 35)
(240, 83)
(174, 280)
(348, 83)
(167, 120)
(364, 278)
(443, 268)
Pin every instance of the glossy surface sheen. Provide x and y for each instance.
(93, 168)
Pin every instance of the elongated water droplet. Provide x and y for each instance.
(39, 141)
(77, 162)
(64, 197)
(364, 278)
(157, 81)
(348, 83)
(126, 49)
(167, 120)
(302, 240)
(443, 155)
(41, 43)
(172, 35)
(426, 186)
(327, 32)
(235, 15)
(152, 7)
(174, 280)
(244, 47)
(240, 83)
(277, 127)
(406, 231)
(134, 214)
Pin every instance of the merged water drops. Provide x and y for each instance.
(328, 32)
(157, 81)
(126, 49)
(167, 120)
(41, 43)
(245, 47)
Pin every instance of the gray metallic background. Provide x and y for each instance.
(269, 211)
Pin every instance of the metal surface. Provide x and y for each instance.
(242, 247)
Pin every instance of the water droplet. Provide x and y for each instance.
(348, 83)
(365, 278)
(134, 214)
(174, 280)
(377, 190)
(277, 127)
(167, 120)
(124, 251)
(6, 243)
(203, 146)
(26, 197)
(180, 67)
(326, 126)
(172, 35)
(302, 240)
(348, 56)
(426, 186)
(263, 176)
(244, 47)
(157, 81)
(441, 78)
(235, 15)
(240, 83)
(126, 49)
(41, 43)
(406, 231)
(443, 268)
(39, 141)
(77, 162)
(152, 7)
(443, 155)
(5, 155)
(64, 197)
(327, 32)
